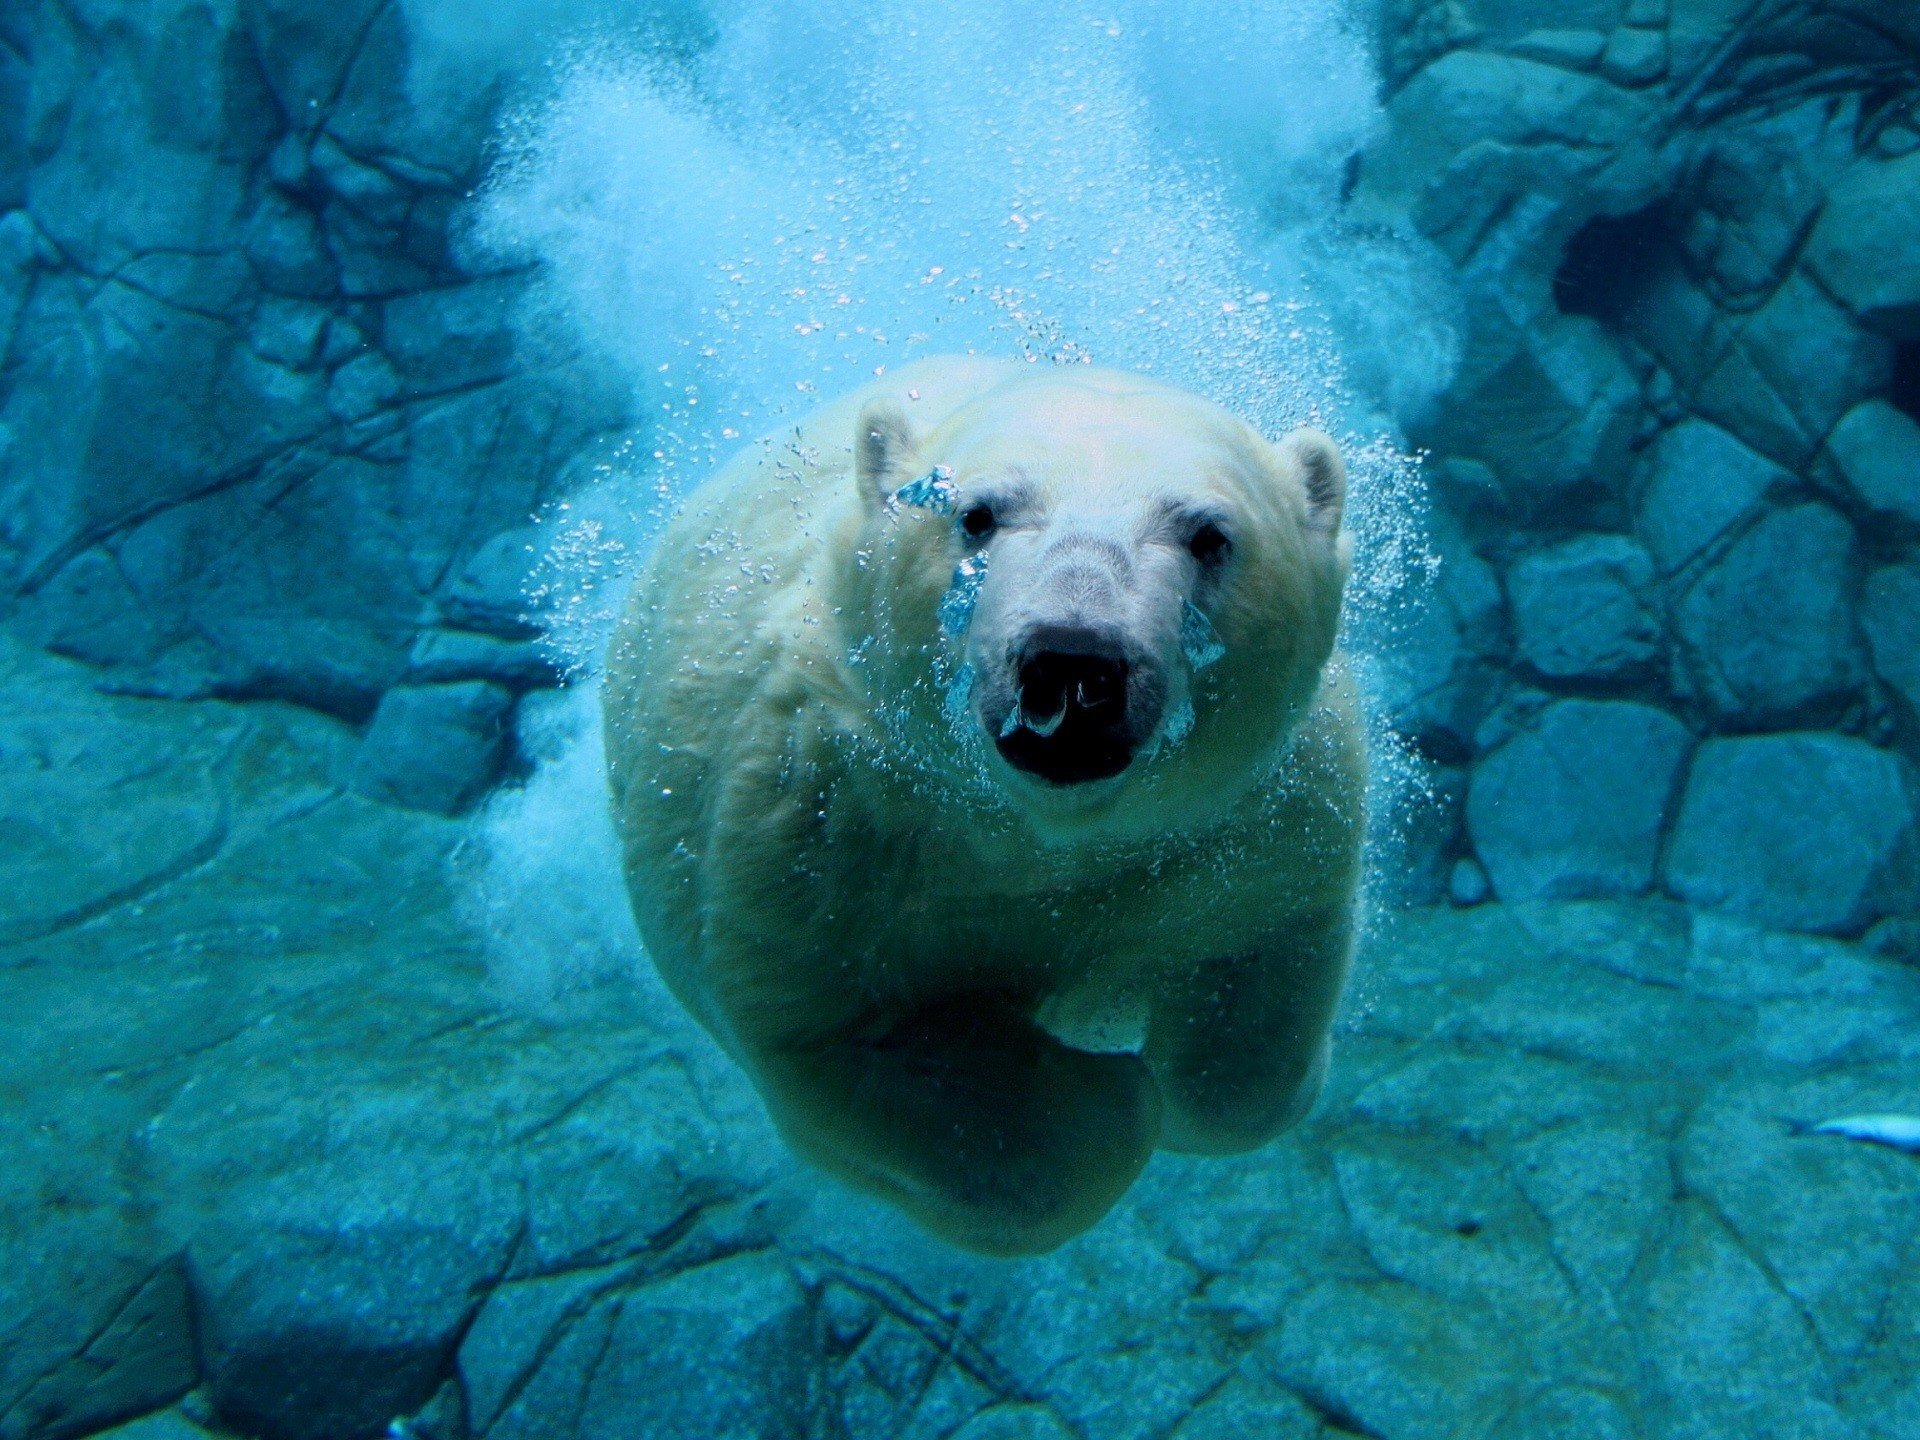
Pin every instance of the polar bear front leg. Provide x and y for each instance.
(987, 1130)
(1239, 1045)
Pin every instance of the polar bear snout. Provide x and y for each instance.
(1081, 706)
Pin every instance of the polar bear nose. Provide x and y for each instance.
(1053, 682)
(1069, 719)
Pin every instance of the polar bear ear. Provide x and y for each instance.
(1323, 473)
(883, 449)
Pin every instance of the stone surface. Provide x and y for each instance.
(1700, 484)
(441, 656)
(1862, 250)
(434, 747)
(1648, 180)
(1583, 609)
(256, 414)
(490, 593)
(408, 1192)
(1890, 615)
(1634, 56)
(1791, 370)
(1575, 49)
(1875, 451)
(1574, 807)
(1467, 882)
(1767, 634)
(1805, 831)
(725, 1348)
(1552, 421)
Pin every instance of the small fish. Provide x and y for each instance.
(1900, 1132)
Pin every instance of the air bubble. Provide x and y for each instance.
(1199, 641)
(933, 491)
(1179, 723)
(956, 606)
(960, 694)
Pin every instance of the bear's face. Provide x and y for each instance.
(1123, 582)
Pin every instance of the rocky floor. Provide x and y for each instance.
(280, 1159)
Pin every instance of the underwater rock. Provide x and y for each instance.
(1792, 370)
(1552, 421)
(434, 747)
(1015, 1422)
(1653, 172)
(323, 1313)
(1582, 609)
(445, 655)
(1244, 1406)
(1890, 615)
(1634, 56)
(1474, 130)
(1862, 249)
(200, 391)
(489, 594)
(1767, 634)
(720, 1349)
(1570, 49)
(1709, 1305)
(1805, 831)
(392, 1173)
(362, 388)
(1698, 483)
(453, 337)
(1467, 883)
(1875, 450)
(1895, 938)
(133, 1349)
(1574, 807)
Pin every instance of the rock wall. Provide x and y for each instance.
(268, 430)
(1678, 473)
(258, 419)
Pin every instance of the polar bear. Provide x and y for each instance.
(989, 786)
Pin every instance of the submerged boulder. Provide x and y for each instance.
(1802, 831)
(1574, 807)
(1698, 484)
(1582, 609)
(434, 747)
(1890, 614)
(1767, 635)
(1874, 453)
(1862, 250)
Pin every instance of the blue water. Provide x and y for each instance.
(356, 355)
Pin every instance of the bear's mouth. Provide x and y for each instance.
(1068, 724)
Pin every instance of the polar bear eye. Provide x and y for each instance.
(977, 520)
(1209, 544)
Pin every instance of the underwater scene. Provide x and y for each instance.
(797, 720)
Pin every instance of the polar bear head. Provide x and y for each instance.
(1132, 593)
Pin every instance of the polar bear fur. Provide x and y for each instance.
(981, 993)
